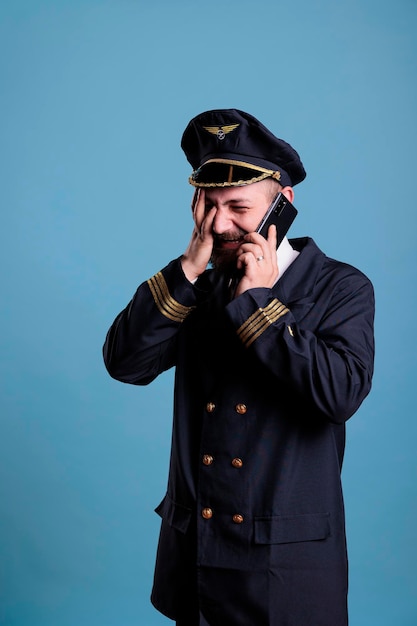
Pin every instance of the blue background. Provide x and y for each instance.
(94, 200)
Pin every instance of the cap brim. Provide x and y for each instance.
(232, 172)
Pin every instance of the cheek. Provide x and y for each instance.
(249, 223)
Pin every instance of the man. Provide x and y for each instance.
(273, 353)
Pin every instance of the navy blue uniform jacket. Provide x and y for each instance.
(253, 530)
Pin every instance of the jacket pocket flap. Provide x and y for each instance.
(176, 515)
(292, 528)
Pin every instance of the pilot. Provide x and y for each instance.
(273, 351)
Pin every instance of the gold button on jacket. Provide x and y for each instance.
(207, 513)
(207, 459)
(237, 462)
(238, 519)
(241, 408)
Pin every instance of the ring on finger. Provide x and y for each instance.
(260, 258)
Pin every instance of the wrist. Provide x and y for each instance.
(189, 270)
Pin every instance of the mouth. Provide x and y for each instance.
(228, 244)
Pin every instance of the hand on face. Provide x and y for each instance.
(195, 259)
(257, 261)
(224, 224)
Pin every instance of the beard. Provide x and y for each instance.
(223, 259)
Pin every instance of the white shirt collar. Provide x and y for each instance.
(285, 255)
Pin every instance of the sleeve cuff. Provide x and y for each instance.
(251, 323)
(259, 321)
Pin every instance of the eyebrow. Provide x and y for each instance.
(238, 200)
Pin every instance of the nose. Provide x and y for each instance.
(222, 222)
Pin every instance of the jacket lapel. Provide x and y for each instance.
(296, 287)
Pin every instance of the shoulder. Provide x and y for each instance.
(329, 268)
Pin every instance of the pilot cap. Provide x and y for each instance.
(228, 147)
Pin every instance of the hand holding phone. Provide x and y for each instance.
(281, 213)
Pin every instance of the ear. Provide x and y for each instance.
(288, 192)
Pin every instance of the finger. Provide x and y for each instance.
(245, 261)
(199, 193)
(255, 238)
(258, 240)
(195, 198)
(272, 237)
(198, 206)
(199, 209)
(256, 250)
(206, 228)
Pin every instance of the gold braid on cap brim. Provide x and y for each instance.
(264, 173)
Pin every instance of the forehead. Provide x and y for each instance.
(248, 193)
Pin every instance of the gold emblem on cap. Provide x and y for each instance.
(220, 131)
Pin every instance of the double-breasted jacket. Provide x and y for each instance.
(253, 530)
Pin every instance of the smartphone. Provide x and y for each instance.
(281, 213)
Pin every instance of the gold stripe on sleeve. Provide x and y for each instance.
(259, 321)
(167, 305)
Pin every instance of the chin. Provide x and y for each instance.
(224, 260)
